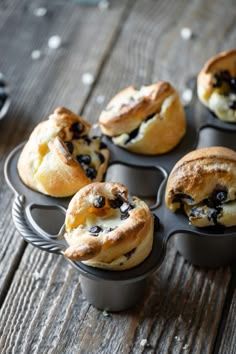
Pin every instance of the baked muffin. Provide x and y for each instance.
(149, 120)
(107, 229)
(203, 183)
(60, 158)
(216, 85)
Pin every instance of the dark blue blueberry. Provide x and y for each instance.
(125, 207)
(225, 75)
(101, 157)
(124, 216)
(85, 159)
(221, 196)
(232, 105)
(156, 222)
(87, 140)
(233, 84)
(77, 128)
(70, 146)
(209, 202)
(91, 172)
(117, 202)
(196, 212)
(102, 145)
(217, 81)
(99, 201)
(213, 214)
(94, 230)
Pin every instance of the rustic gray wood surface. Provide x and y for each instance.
(42, 310)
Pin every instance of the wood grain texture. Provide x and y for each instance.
(138, 42)
(45, 311)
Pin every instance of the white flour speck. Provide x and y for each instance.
(87, 78)
(36, 54)
(40, 11)
(54, 42)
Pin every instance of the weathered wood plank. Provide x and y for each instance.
(37, 87)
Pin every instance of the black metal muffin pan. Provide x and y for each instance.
(40, 219)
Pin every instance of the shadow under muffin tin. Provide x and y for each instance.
(145, 177)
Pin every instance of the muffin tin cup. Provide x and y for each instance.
(145, 177)
(40, 220)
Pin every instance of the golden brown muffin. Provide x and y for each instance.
(203, 182)
(216, 85)
(150, 120)
(106, 229)
(60, 158)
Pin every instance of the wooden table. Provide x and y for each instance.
(42, 310)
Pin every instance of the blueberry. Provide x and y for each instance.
(116, 203)
(86, 159)
(221, 196)
(156, 222)
(95, 230)
(124, 216)
(87, 140)
(196, 212)
(99, 201)
(102, 145)
(213, 214)
(225, 75)
(217, 81)
(70, 146)
(232, 105)
(77, 128)
(209, 202)
(91, 172)
(125, 207)
(101, 157)
(233, 84)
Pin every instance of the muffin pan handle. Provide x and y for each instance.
(41, 240)
(39, 208)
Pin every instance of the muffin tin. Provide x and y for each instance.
(145, 177)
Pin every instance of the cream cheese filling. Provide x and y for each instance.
(123, 138)
(219, 104)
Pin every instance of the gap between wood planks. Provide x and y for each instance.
(10, 276)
